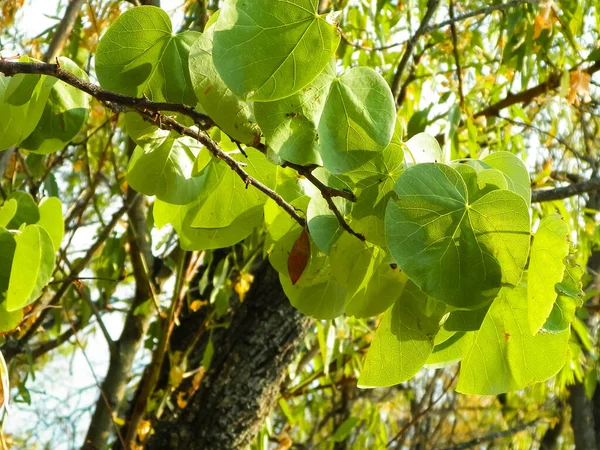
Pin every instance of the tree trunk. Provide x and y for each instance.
(245, 376)
(582, 418)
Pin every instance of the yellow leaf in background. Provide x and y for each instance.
(579, 86)
(243, 284)
(182, 400)
(543, 20)
(143, 429)
(284, 440)
(197, 304)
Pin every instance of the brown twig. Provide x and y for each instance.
(432, 6)
(11, 68)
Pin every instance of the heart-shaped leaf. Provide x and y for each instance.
(457, 251)
(139, 55)
(270, 49)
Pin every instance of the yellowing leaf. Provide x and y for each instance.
(543, 20)
(579, 86)
(243, 284)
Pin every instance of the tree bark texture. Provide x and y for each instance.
(245, 376)
(582, 418)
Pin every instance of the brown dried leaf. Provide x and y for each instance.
(299, 256)
(579, 86)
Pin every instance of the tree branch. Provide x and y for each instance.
(493, 436)
(432, 6)
(150, 111)
(560, 193)
(11, 68)
(428, 29)
(61, 35)
(528, 95)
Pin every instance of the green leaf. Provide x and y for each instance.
(344, 430)
(270, 49)
(282, 233)
(8, 211)
(167, 170)
(449, 351)
(230, 113)
(373, 285)
(27, 210)
(139, 55)
(64, 114)
(546, 268)
(324, 300)
(22, 102)
(515, 171)
(403, 341)
(457, 251)
(7, 244)
(32, 267)
(504, 355)
(357, 121)
(181, 216)
(290, 124)
(568, 300)
(9, 320)
(347, 119)
(423, 148)
(375, 181)
(225, 196)
(51, 219)
(318, 292)
(466, 320)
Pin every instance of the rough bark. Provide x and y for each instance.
(114, 386)
(247, 370)
(582, 418)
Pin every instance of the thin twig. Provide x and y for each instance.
(97, 381)
(493, 436)
(437, 26)
(425, 411)
(456, 57)
(432, 6)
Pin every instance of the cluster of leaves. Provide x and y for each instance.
(446, 252)
(30, 236)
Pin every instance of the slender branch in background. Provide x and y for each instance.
(560, 193)
(80, 265)
(133, 331)
(112, 348)
(425, 411)
(528, 95)
(493, 436)
(185, 272)
(550, 135)
(61, 35)
(102, 392)
(432, 6)
(428, 29)
(412, 74)
(480, 12)
(461, 94)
